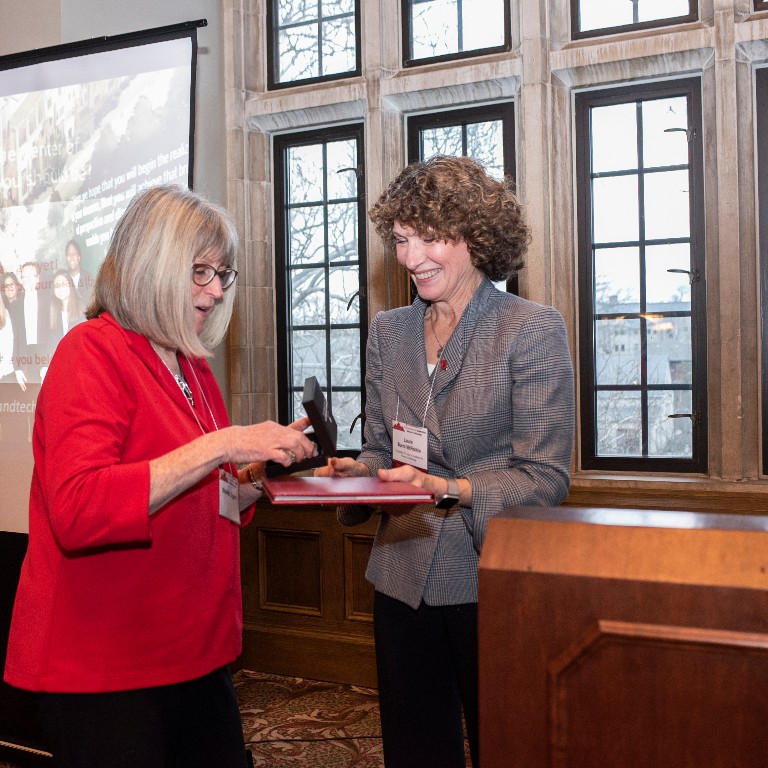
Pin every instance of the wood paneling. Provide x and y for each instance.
(623, 638)
(358, 592)
(289, 571)
(307, 607)
(658, 708)
(687, 494)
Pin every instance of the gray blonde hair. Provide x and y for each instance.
(145, 280)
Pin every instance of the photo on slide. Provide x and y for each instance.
(80, 135)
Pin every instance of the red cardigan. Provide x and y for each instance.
(109, 597)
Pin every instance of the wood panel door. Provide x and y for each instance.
(623, 638)
(307, 608)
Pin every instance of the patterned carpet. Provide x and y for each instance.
(290, 722)
(294, 723)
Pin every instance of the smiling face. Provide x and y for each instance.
(11, 288)
(61, 287)
(441, 270)
(204, 297)
(73, 259)
(29, 277)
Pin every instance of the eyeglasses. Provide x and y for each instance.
(202, 274)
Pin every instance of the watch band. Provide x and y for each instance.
(451, 496)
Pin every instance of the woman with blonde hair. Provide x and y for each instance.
(128, 609)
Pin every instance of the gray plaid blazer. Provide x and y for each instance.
(501, 415)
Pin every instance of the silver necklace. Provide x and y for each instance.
(179, 378)
(440, 345)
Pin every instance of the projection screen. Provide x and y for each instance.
(83, 128)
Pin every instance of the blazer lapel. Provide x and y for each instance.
(416, 389)
(411, 375)
(457, 347)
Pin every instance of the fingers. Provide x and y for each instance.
(346, 467)
(404, 473)
(268, 441)
(293, 445)
(300, 424)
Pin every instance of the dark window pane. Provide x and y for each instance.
(299, 59)
(617, 352)
(615, 209)
(305, 174)
(312, 40)
(669, 349)
(618, 423)
(454, 28)
(306, 233)
(320, 271)
(483, 133)
(617, 279)
(308, 352)
(666, 203)
(308, 295)
(670, 436)
(642, 311)
(342, 232)
(345, 358)
(609, 14)
(442, 141)
(667, 268)
(347, 406)
(344, 283)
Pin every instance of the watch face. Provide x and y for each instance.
(451, 496)
(446, 501)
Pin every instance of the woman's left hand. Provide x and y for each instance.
(408, 474)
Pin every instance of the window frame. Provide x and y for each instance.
(589, 460)
(273, 54)
(285, 388)
(407, 24)
(761, 127)
(501, 110)
(577, 34)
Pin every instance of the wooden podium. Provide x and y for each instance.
(619, 638)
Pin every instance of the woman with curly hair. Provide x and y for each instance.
(469, 394)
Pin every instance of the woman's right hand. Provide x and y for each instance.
(342, 467)
(269, 441)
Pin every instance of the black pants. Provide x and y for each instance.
(188, 725)
(427, 671)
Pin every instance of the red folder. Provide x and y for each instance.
(289, 489)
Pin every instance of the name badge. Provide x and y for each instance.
(229, 496)
(409, 445)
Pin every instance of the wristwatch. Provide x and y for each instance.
(451, 496)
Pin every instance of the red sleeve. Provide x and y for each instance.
(84, 420)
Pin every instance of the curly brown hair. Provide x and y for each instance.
(453, 198)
